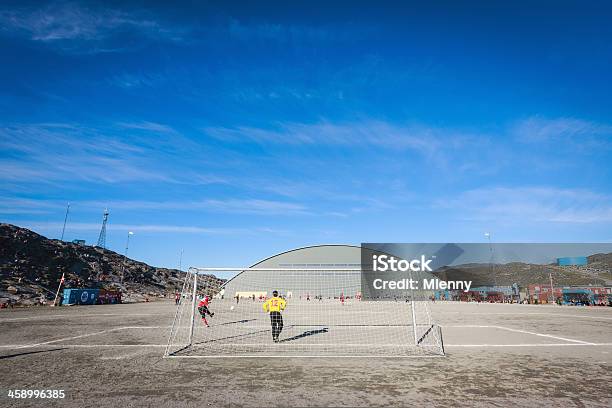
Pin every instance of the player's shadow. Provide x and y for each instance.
(305, 334)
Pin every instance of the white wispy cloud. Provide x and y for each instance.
(64, 151)
(531, 204)
(572, 131)
(47, 152)
(13, 205)
(137, 80)
(147, 126)
(295, 33)
(77, 27)
(425, 139)
(242, 206)
(145, 228)
(453, 151)
(257, 206)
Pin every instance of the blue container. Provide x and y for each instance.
(575, 260)
(80, 296)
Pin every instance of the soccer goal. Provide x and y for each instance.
(326, 314)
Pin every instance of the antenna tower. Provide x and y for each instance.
(102, 236)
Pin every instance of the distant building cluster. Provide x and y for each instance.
(533, 294)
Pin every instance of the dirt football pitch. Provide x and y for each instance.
(496, 355)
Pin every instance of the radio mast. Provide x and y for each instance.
(102, 236)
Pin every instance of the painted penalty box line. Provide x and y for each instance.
(18, 346)
(302, 356)
(165, 327)
(527, 314)
(15, 319)
(531, 345)
(91, 334)
(518, 331)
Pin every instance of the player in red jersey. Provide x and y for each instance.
(203, 309)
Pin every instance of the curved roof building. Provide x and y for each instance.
(319, 270)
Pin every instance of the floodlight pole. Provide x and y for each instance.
(552, 289)
(193, 306)
(127, 245)
(491, 265)
(65, 220)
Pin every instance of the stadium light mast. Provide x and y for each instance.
(491, 267)
(65, 220)
(127, 246)
(552, 289)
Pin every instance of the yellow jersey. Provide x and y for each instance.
(275, 304)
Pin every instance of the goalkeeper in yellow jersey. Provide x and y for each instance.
(274, 306)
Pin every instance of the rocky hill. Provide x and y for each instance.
(598, 272)
(31, 267)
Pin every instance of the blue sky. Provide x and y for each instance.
(235, 131)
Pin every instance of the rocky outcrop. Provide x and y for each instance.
(31, 267)
(523, 274)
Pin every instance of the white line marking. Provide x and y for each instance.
(67, 338)
(75, 315)
(19, 346)
(543, 335)
(529, 345)
(528, 314)
(287, 345)
(518, 331)
(314, 356)
(16, 346)
(95, 334)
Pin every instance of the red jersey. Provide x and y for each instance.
(203, 302)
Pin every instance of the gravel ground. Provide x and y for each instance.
(497, 355)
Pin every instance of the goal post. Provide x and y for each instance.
(327, 314)
(194, 298)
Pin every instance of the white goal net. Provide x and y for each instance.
(326, 314)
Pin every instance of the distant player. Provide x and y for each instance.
(177, 298)
(203, 309)
(342, 299)
(274, 306)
